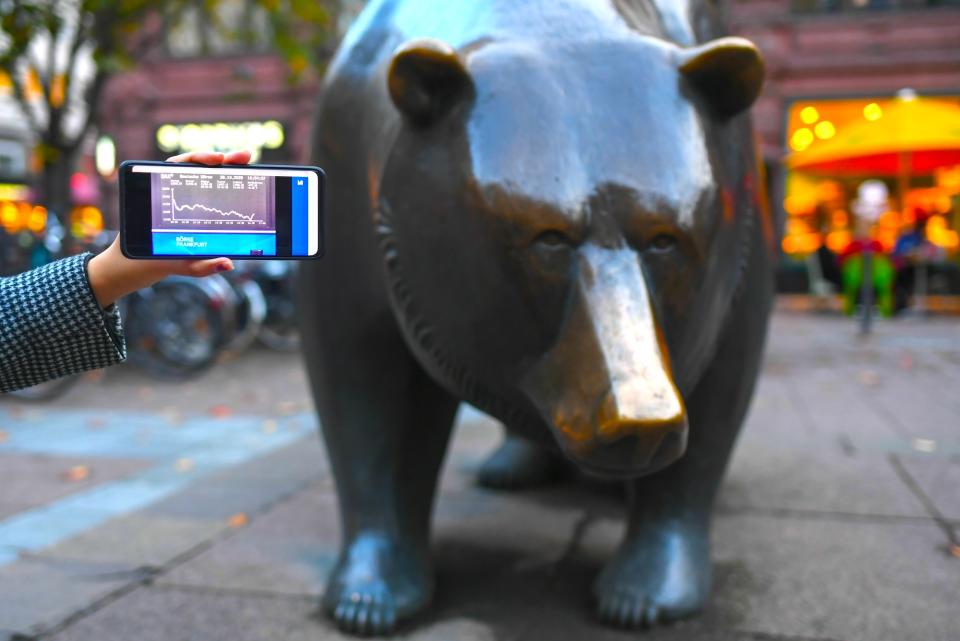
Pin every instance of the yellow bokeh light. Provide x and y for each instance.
(838, 240)
(801, 139)
(273, 131)
(168, 138)
(940, 235)
(9, 217)
(37, 219)
(798, 205)
(825, 130)
(809, 115)
(872, 112)
(93, 218)
(801, 243)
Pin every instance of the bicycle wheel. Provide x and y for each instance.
(175, 329)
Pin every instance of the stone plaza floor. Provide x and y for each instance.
(132, 510)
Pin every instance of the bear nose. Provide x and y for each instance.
(629, 443)
(632, 455)
(606, 386)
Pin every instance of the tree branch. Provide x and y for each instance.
(94, 92)
(20, 96)
(80, 37)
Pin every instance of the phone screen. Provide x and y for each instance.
(171, 210)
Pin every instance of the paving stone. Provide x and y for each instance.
(151, 614)
(829, 401)
(288, 550)
(9, 508)
(138, 540)
(170, 614)
(306, 459)
(939, 478)
(32, 480)
(220, 499)
(818, 578)
(920, 406)
(767, 476)
(249, 487)
(37, 594)
(575, 621)
(291, 549)
(260, 382)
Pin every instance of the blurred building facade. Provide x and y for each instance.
(845, 78)
(201, 90)
(828, 58)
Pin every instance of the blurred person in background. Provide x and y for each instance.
(871, 202)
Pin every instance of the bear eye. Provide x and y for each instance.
(663, 242)
(553, 239)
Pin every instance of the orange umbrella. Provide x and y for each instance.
(908, 136)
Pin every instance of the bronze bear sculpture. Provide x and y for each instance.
(551, 210)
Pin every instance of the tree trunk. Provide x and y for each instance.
(55, 185)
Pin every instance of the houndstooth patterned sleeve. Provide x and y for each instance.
(51, 325)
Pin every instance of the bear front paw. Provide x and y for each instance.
(376, 583)
(658, 575)
(365, 609)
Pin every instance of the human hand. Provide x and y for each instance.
(113, 275)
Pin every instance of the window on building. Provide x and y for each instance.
(231, 27)
(838, 6)
(13, 159)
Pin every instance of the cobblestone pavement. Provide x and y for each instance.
(131, 509)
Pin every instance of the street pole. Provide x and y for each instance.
(867, 291)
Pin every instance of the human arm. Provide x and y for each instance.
(60, 319)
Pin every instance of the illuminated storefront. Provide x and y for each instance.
(911, 143)
(266, 140)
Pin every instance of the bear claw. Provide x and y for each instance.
(368, 612)
(376, 583)
(628, 610)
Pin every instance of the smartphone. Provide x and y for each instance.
(183, 210)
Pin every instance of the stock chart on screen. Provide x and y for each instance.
(197, 213)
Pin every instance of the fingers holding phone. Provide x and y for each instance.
(241, 157)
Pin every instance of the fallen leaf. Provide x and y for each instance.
(96, 423)
(3, 436)
(269, 426)
(220, 411)
(869, 378)
(286, 408)
(906, 362)
(76, 473)
(238, 520)
(184, 465)
(955, 550)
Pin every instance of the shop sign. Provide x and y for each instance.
(260, 137)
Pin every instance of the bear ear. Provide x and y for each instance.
(728, 72)
(426, 78)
